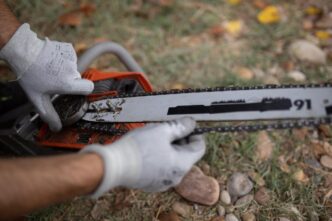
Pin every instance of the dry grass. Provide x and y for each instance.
(174, 47)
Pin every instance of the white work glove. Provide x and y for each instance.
(148, 158)
(44, 68)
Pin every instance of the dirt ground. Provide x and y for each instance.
(208, 43)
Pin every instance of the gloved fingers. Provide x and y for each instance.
(180, 128)
(78, 86)
(191, 152)
(46, 110)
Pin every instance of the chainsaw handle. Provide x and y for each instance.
(108, 47)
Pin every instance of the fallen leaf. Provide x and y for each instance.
(318, 148)
(325, 130)
(80, 47)
(87, 9)
(283, 164)
(216, 31)
(73, 18)
(312, 10)
(244, 73)
(327, 196)
(233, 2)
(178, 86)
(307, 24)
(323, 35)
(269, 15)
(300, 176)
(257, 178)
(233, 27)
(260, 4)
(171, 216)
(264, 146)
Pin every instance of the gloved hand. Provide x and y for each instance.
(44, 68)
(152, 158)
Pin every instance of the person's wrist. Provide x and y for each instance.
(22, 49)
(8, 34)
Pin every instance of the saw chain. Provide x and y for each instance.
(238, 126)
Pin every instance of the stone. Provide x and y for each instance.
(306, 51)
(262, 196)
(244, 201)
(264, 146)
(297, 76)
(283, 219)
(170, 216)
(271, 80)
(326, 161)
(248, 216)
(221, 211)
(199, 188)
(205, 168)
(231, 217)
(181, 209)
(239, 184)
(225, 197)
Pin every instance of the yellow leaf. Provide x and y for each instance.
(312, 10)
(233, 2)
(269, 15)
(323, 35)
(233, 27)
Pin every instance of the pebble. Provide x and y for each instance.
(221, 210)
(306, 51)
(225, 197)
(297, 76)
(239, 184)
(199, 188)
(326, 161)
(262, 196)
(181, 209)
(244, 201)
(248, 216)
(245, 73)
(231, 217)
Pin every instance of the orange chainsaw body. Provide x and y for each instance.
(75, 138)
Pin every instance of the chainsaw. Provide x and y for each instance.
(122, 101)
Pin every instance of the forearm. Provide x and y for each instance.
(31, 183)
(8, 23)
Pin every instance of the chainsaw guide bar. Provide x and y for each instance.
(287, 106)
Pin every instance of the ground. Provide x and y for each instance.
(204, 43)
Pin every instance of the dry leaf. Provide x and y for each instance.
(260, 4)
(312, 10)
(325, 130)
(80, 47)
(244, 73)
(257, 178)
(327, 196)
(178, 86)
(216, 31)
(269, 15)
(318, 148)
(73, 18)
(323, 35)
(171, 216)
(300, 176)
(283, 164)
(233, 2)
(264, 146)
(87, 9)
(233, 27)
